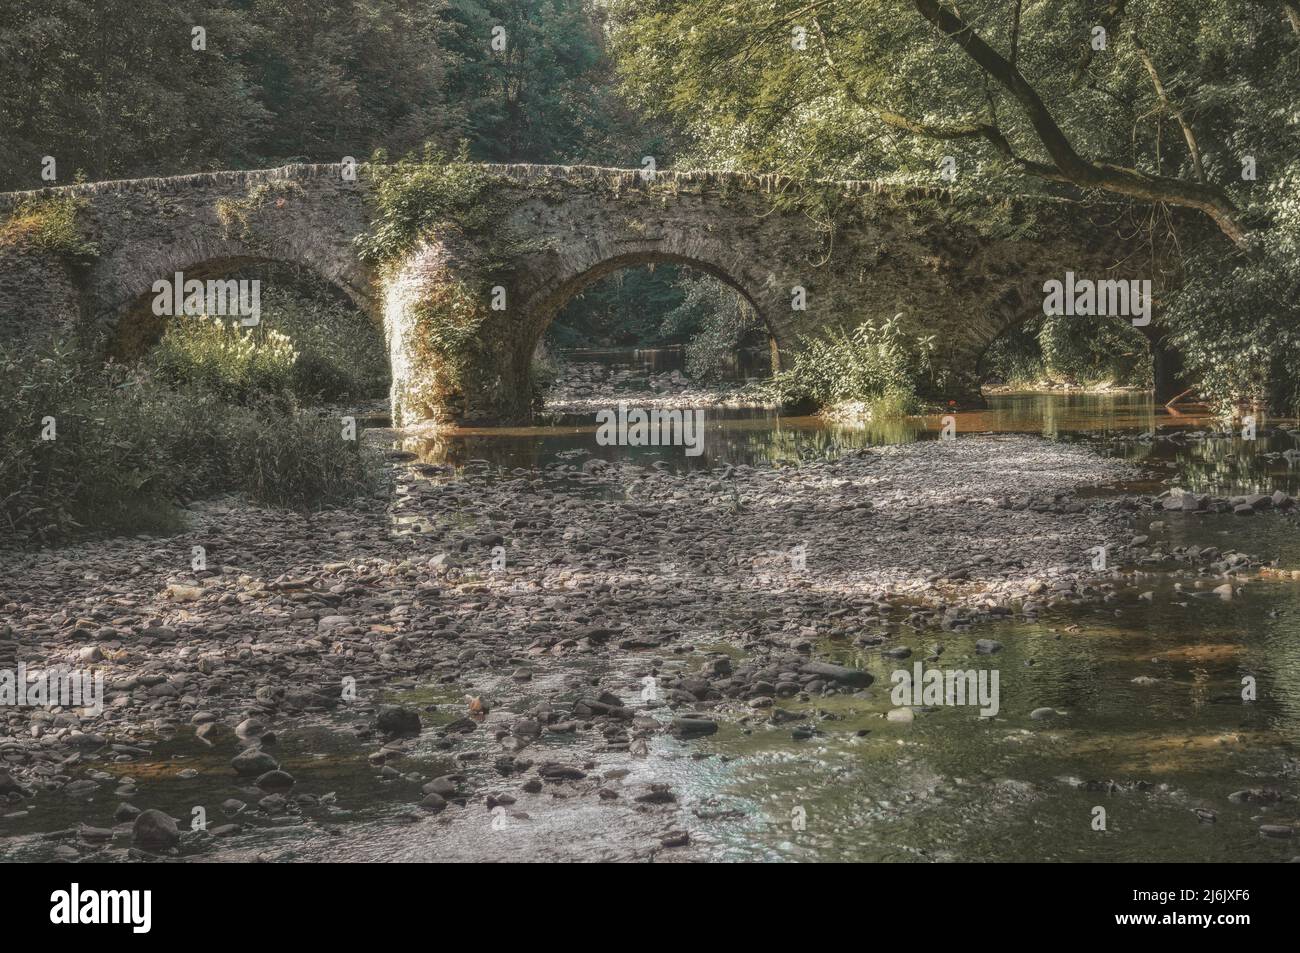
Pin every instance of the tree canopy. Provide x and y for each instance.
(117, 88)
(1180, 114)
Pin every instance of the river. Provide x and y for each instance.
(1150, 727)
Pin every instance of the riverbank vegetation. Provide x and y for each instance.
(215, 407)
(85, 448)
(1060, 351)
(877, 365)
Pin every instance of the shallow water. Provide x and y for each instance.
(954, 786)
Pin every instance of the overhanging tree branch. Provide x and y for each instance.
(1082, 172)
(942, 131)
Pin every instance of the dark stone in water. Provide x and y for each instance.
(561, 772)
(394, 720)
(434, 803)
(693, 727)
(154, 830)
(838, 673)
(275, 781)
(253, 761)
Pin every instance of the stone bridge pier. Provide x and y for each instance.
(463, 305)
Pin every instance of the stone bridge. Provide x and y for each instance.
(463, 306)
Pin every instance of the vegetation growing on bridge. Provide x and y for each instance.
(416, 195)
(236, 215)
(53, 224)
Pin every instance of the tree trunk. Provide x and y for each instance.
(1166, 368)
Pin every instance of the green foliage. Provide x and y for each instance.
(749, 98)
(717, 321)
(1236, 317)
(236, 215)
(127, 447)
(309, 348)
(414, 195)
(1080, 350)
(625, 309)
(341, 353)
(296, 461)
(875, 363)
(549, 96)
(238, 364)
(52, 225)
(114, 88)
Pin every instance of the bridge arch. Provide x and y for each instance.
(130, 325)
(1168, 378)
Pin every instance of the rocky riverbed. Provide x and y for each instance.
(506, 650)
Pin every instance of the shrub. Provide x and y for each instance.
(127, 447)
(296, 461)
(341, 354)
(1085, 350)
(877, 364)
(236, 363)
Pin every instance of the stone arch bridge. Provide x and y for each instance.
(463, 309)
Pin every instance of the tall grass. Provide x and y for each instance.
(237, 364)
(306, 348)
(877, 363)
(128, 445)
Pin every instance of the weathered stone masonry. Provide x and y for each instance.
(558, 229)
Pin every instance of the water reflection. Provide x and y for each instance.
(737, 367)
(1191, 450)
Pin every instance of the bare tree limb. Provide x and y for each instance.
(1174, 111)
